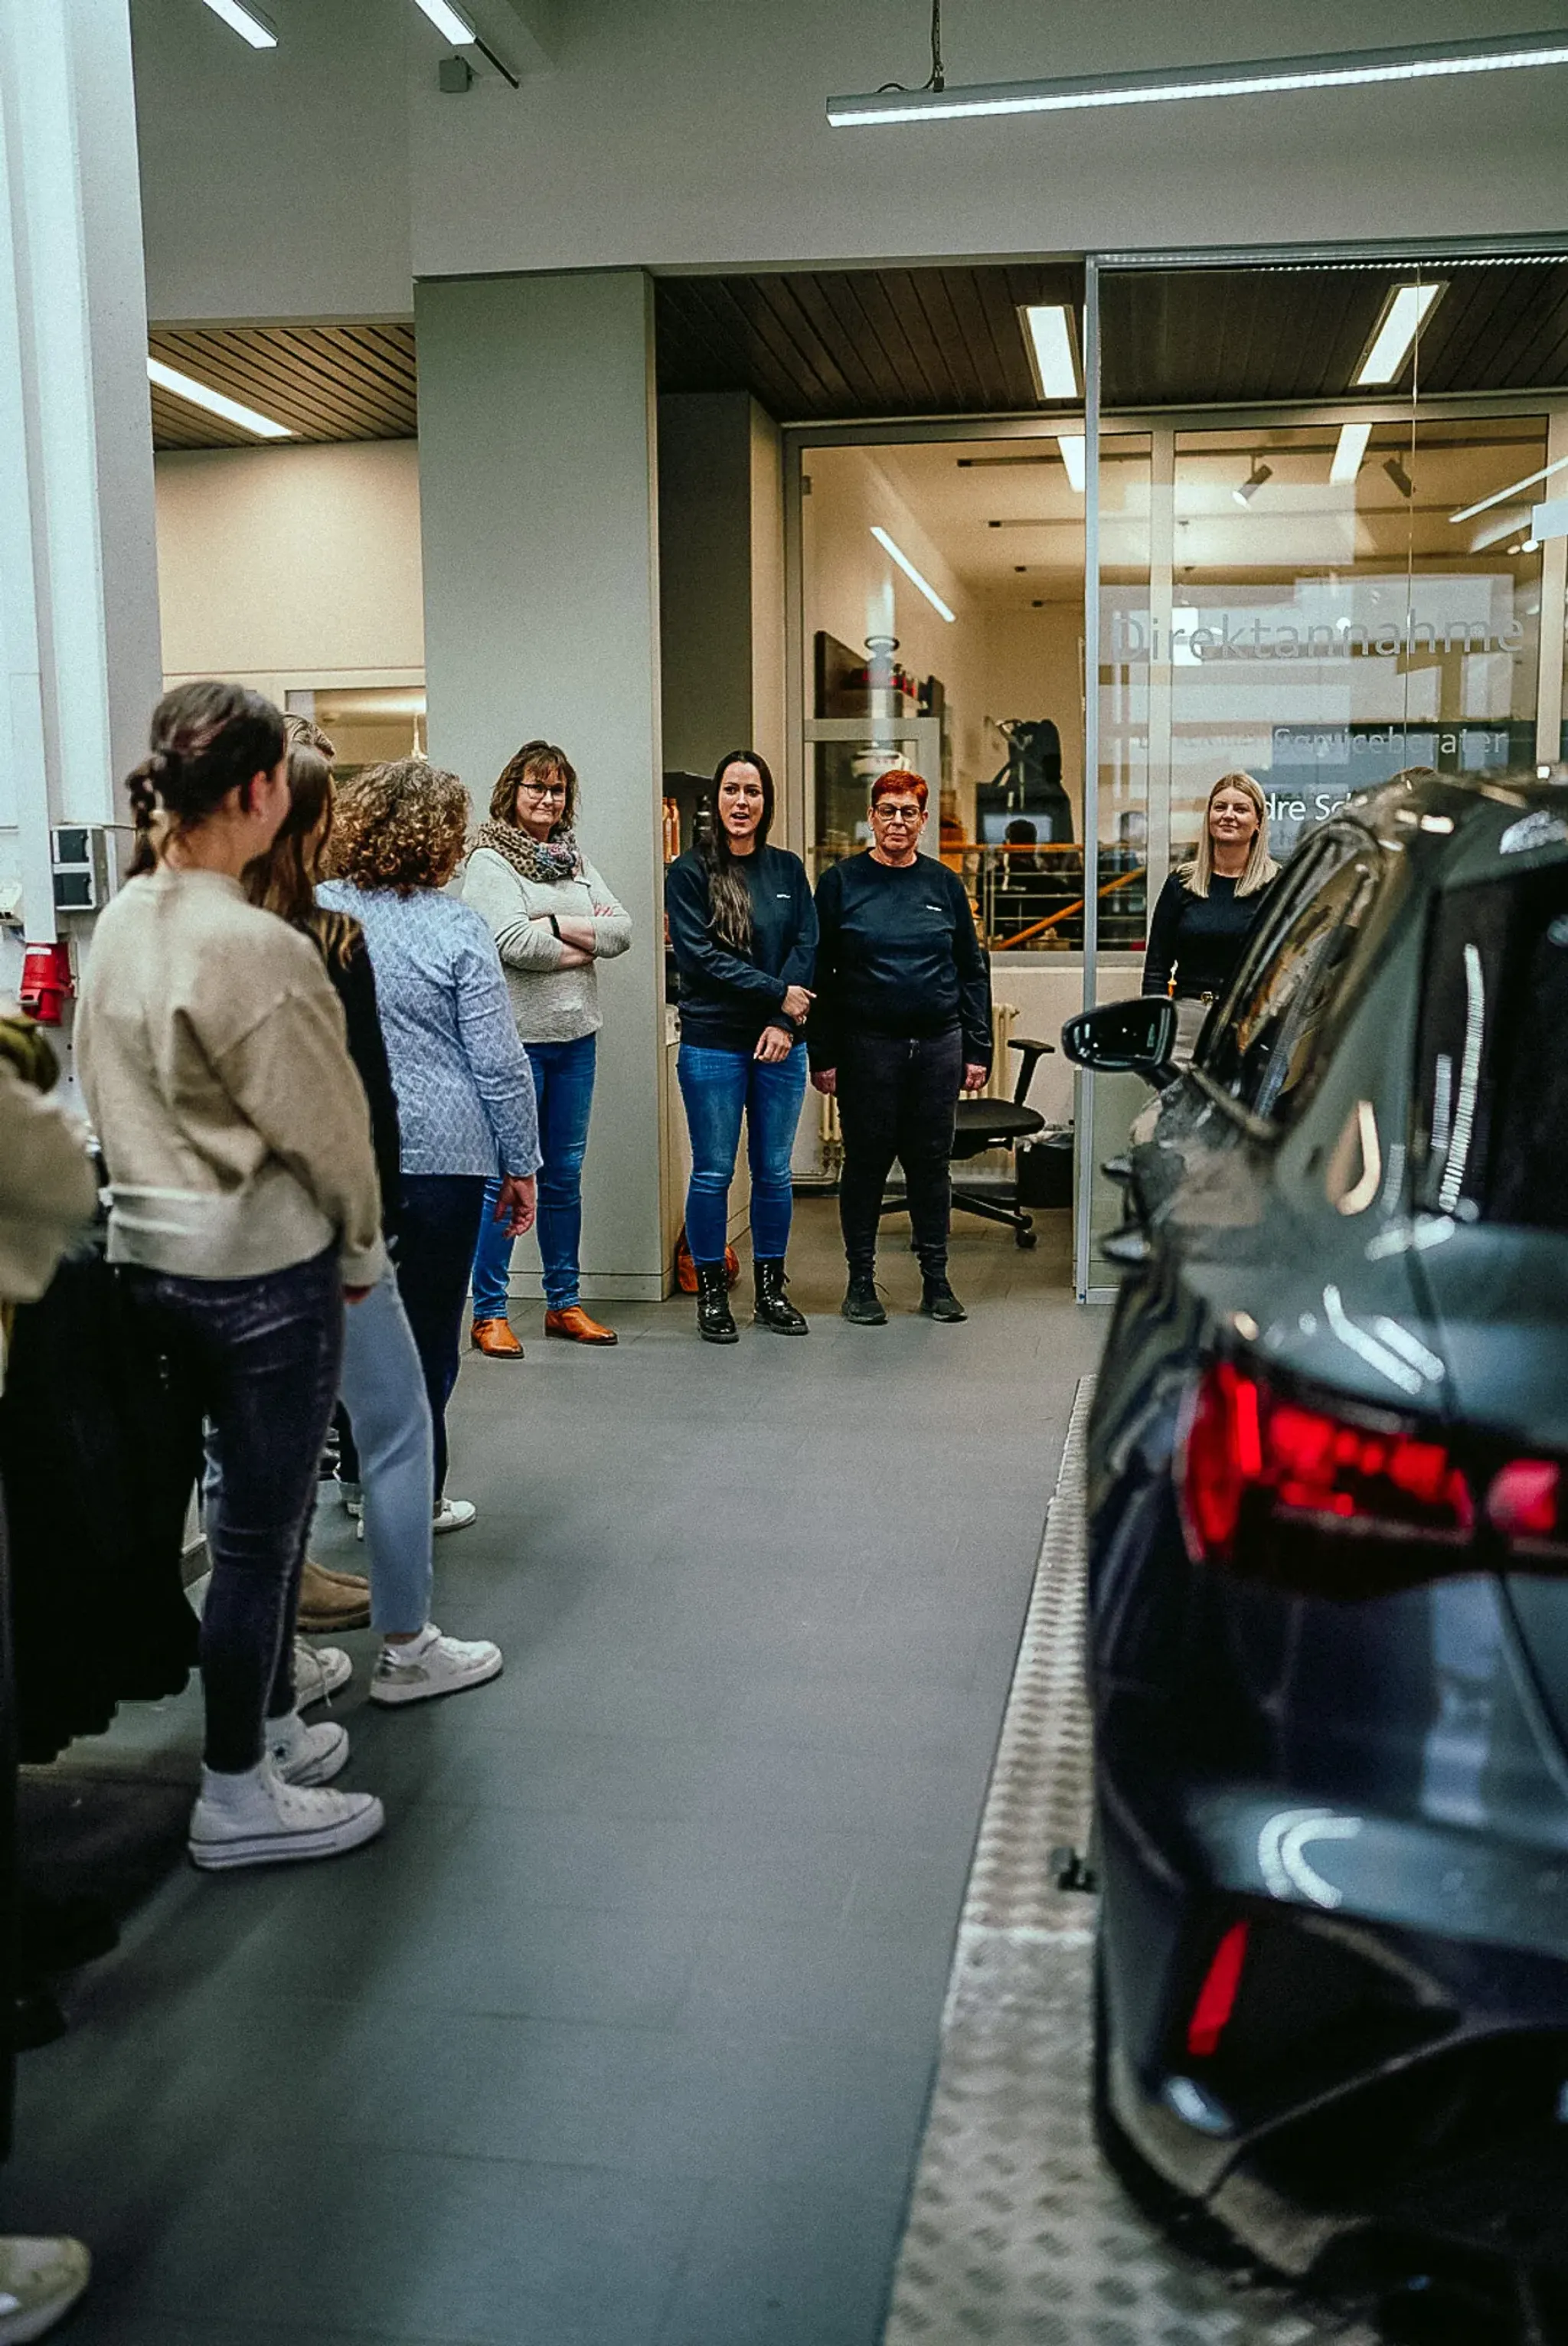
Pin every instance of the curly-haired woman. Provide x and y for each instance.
(554, 921)
(465, 1088)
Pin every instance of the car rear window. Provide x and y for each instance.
(1490, 1136)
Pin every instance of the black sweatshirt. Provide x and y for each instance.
(1200, 937)
(726, 998)
(354, 980)
(899, 955)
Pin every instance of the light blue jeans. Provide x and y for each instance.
(382, 1389)
(718, 1087)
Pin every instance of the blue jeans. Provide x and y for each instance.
(718, 1086)
(258, 1359)
(564, 1088)
(384, 1392)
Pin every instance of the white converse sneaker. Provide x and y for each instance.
(40, 2280)
(268, 1823)
(319, 1672)
(307, 1755)
(431, 1664)
(454, 1515)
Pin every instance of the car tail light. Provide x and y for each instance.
(1217, 1997)
(1254, 1455)
(1527, 1502)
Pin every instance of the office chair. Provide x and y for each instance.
(984, 1124)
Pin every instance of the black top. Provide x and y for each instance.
(355, 983)
(899, 955)
(726, 998)
(1200, 937)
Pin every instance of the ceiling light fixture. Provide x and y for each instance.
(1249, 487)
(1344, 69)
(1404, 313)
(1071, 444)
(216, 402)
(1400, 477)
(1349, 454)
(1468, 513)
(907, 566)
(1050, 340)
(449, 21)
(249, 23)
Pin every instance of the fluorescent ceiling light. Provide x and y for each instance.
(1348, 455)
(1345, 69)
(1468, 511)
(249, 23)
(1071, 444)
(448, 21)
(1049, 334)
(202, 394)
(1405, 314)
(907, 566)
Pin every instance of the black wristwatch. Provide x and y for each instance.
(554, 928)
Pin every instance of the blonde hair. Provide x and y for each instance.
(1261, 868)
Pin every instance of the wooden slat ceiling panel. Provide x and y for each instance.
(325, 383)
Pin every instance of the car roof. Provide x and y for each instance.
(1466, 829)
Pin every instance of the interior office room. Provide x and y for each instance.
(1085, 415)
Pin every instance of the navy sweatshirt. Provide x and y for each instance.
(898, 956)
(1200, 937)
(726, 998)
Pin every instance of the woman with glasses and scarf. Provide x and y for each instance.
(902, 1024)
(553, 921)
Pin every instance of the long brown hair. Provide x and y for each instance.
(728, 897)
(283, 880)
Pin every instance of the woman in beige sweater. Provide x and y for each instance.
(244, 1209)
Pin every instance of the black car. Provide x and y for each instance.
(1329, 1572)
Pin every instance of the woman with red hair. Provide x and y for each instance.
(902, 1023)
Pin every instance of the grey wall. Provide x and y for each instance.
(705, 576)
(537, 498)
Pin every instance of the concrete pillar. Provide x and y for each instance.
(538, 500)
(78, 581)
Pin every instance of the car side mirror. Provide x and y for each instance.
(1125, 1039)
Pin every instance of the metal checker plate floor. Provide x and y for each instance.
(1018, 2233)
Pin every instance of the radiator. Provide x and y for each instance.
(1003, 1017)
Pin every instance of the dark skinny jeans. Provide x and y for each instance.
(438, 1228)
(258, 1359)
(897, 1097)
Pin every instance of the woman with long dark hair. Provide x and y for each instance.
(382, 1387)
(244, 1209)
(743, 929)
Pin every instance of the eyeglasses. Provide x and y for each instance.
(544, 789)
(904, 815)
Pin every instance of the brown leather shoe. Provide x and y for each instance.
(332, 1601)
(575, 1324)
(494, 1339)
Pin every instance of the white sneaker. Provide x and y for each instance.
(352, 1497)
(319, 1672)
(274, 1823)
(40, 2280)
(454, 1515)
(307, 1755)
(431, 1664)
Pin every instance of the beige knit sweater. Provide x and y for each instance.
(210, 1047)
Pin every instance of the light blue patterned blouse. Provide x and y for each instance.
(465, 1088)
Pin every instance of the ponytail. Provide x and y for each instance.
(207, 739)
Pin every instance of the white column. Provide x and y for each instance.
(78, 588)
(538, 522)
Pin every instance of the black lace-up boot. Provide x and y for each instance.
(774, 1309)
(938, 1300)
(715, 1322)
(863, 1306)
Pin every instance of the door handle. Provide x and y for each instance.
(1129, 1248)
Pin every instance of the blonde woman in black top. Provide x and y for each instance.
(1207, 907)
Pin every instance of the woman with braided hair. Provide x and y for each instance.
(245, 1211)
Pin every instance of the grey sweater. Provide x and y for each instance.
(551, 1005)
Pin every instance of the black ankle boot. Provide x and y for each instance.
(861, 1304)
(715, 1322)
(774, 1309)
(938, 1300)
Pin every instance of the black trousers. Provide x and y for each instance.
(437, 1231)
(897, 1097)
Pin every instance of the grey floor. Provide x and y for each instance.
(623, 2034)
